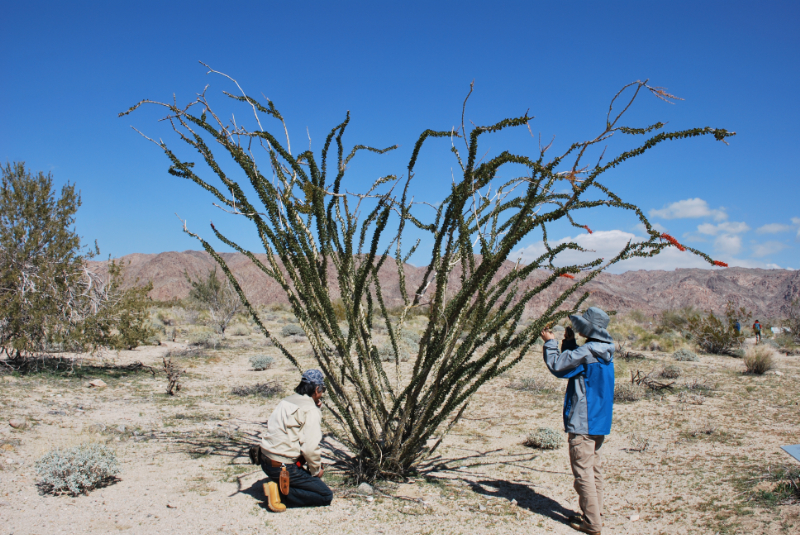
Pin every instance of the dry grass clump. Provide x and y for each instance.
(628, 392)
(534, 385)
(759, 359)
(205, 340)
(264, 390)
(685, 396)
(684, 355)
(670, 372)
(239, 330)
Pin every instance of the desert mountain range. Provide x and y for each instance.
(767, 293)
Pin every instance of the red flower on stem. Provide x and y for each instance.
(720, 264)
(587, 228)
(673, 241)
(567, 275)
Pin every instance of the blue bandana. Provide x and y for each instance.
(314, 377)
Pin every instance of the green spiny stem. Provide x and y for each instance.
(308, 228)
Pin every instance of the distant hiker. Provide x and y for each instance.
(738, 327)
(757, 331)
(569, 343)
(588, 408)
(292, 439)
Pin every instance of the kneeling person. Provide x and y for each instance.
(293, 436)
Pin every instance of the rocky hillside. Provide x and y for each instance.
(767, 293)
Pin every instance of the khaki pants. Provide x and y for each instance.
(584, 456)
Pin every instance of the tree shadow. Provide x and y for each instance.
(231, 440)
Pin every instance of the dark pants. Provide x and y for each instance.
(305, 490)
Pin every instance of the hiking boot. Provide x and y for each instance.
(273, 497)
(582, 526)
(577, 519)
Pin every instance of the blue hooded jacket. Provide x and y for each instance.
(589, 400)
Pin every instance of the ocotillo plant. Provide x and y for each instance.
(309, 225)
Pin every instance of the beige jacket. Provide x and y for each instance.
(294, 428)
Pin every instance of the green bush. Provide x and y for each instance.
(261, 362)
(545, 438)
(292, 329)
(715, 335)
(76, 470)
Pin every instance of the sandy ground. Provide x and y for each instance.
(681, 466)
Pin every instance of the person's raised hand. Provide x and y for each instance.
(547, 334)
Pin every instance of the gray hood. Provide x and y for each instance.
(601, 350)
(592, 324)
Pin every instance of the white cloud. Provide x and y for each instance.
(689, 209)
(774, 228)
(639, 227)
(606, 244)
(727, 227)
(761, 250)
(728, 244)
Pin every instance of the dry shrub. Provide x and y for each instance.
(759, 359)
(173, 374)
(239, 330)
(261, 362)
(628, 392)
(684, 355)
(638, 442)
(534, 385)
(77, 470)
(693, 399)
(293, 329)
(670, 372)
(264, 390)
(704, 428)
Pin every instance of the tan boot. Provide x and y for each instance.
(273, 497)
(579, 524)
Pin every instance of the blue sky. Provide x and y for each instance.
(400, 68)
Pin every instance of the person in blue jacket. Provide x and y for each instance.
(588, 408)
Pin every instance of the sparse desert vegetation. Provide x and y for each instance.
(684, 459)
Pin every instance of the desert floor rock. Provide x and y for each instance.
(365, 488)
(17, 423)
